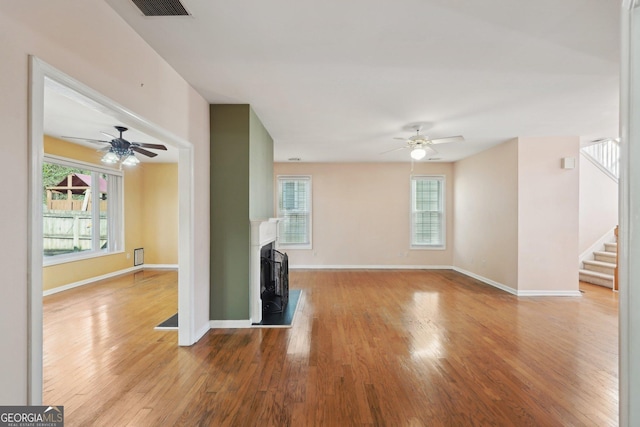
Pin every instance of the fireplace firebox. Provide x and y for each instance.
(274, 279)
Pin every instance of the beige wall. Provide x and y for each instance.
(66, 149)
(547, 214)
(361, 214)
(88, 41)
(516, 218)
(598, 204)
(486, 214)
(160, 213)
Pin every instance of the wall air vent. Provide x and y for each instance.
(161, 7)
(138, 256)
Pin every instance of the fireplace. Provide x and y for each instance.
(274, 279)
(263, 237)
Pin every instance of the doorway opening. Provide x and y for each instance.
(41, 75)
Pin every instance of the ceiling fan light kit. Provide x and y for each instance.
(130, 160)
(110, 157)
(418, 153)
(420, 144)
(123, 156)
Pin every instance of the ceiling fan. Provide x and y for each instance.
(420, 144)
(120, 150)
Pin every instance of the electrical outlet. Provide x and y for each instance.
(128, 255)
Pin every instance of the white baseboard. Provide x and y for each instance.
(91, 280)
(202, 331)
(368, 267)
(230, 324)
(160, 266)
(487, 281)
(543, 293)
(528, 293)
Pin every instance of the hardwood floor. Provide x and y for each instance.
(372, 348)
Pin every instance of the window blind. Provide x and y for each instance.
(427, 213)
(294, 207)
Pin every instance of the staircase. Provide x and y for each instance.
(601, 270)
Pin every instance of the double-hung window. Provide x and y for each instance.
(82, 213)
(427, 212)
(294, 209)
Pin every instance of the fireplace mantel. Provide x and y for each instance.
(263, 232)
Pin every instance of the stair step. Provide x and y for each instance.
(599, 266)
(605, 256)
(596, 278)
(611, 247)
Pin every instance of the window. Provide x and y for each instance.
(82, 213)
(427, 212)
(294, 208)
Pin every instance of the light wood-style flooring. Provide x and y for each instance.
(367, 348)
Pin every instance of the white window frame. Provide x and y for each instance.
(115, 215)
(280, 214)
(441, 209)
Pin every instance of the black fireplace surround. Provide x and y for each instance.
(274, 279)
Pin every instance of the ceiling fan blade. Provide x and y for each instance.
(86, 139)
(105, 148)
(394, 149)
(145, 145)
(143, 151)
(447, 139)
(108, 134)
(400, 138)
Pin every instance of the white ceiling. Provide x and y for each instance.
(70, 114)
(336, 80)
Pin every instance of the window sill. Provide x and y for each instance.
(293, 246)
(427, 248)
(64, 259)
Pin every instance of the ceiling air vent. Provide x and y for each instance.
(161, 7)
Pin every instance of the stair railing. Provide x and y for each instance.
(605, 154)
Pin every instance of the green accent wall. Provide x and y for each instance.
(241, 189)
(260, 170)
